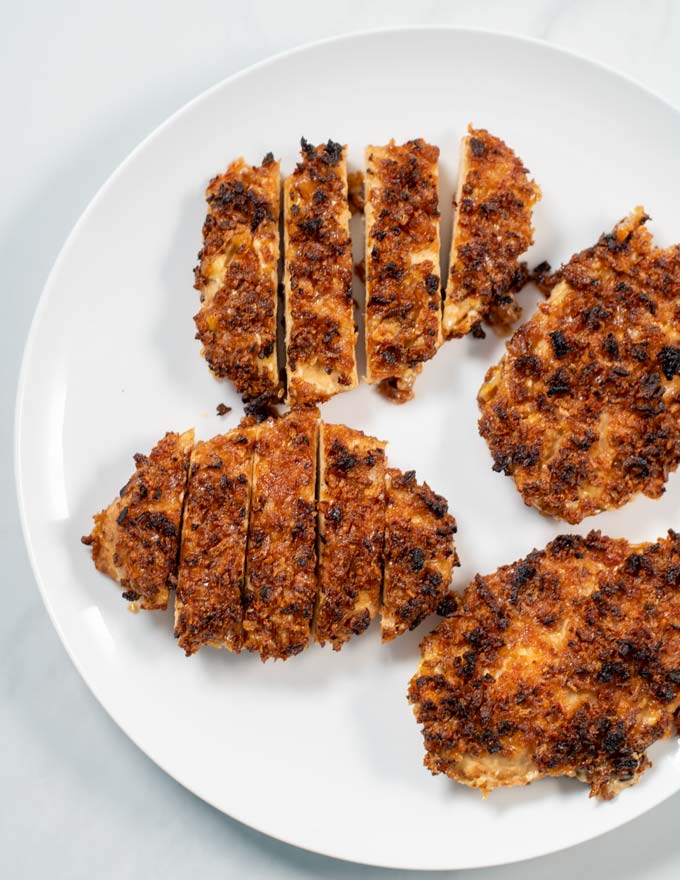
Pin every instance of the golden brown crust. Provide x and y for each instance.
(583, 411)
(492, 228)
(566, 663)
(403, 291)
(419, 553)
(320, 329)
(213, 553)
(351, 528)
(280, 585)
(135, 540)
(237, 277)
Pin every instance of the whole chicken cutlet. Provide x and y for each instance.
(583, 410)
(566, 663)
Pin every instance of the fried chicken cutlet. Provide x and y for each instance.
(208, 605)
(237, 278)
(135, 540)
(419, 554)
(583, 410)
(566, 663)
(351, 533)
(320, 330)
(491, 229)
(403, 289)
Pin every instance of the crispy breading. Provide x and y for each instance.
(208, 609)
(492, 228)
(320, 330)
(583, 410)
(403, 289)
(419, 553)
(237, 278)
(566, 663)
(280, 588)
(135, 540)
(351, 528)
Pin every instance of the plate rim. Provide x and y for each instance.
(46, 293)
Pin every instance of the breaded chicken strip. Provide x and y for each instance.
(280, 589)
(237, 278)
(566, 663)
(419, 554)
(135, 540)
(208, 608)
(403, 289)
(351, 532)
(492, 229)
(320, 331)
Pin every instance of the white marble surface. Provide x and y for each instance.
(82, 83)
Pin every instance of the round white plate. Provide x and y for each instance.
(322, 751)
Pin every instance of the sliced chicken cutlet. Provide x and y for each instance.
(583, 410)
(237, 278)
(351, 527)
(566, 663)
(280, 588)
(135, 540)
(320, 330)
(403, 290)
(419, 554)
(492, 228)
(208, 608)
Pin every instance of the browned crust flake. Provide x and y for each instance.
(208, 607)
(320, 330)
(419, 553)
(583, 410)
(351, 529)
(135, 540)
(237, 277)
(280, 587)
(566, 663)
(403, 291)
(492, 228)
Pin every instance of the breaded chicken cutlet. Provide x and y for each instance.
(351, 533)
(566, 663)
(419, 554)
(403, 289)
(135, 540)
(237, 278)
(208, 603)
(320, 330)
(280, 588)
(583, 410)
(284, 525)
(491, 230)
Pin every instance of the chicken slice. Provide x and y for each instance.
(280, 588)
(320, 330)
(583, 410)
(419, 554)
(566, 663)
(492, 228)
(403, 289)
(351, 527)
(135, 540)
(237, 278)
(208, 607)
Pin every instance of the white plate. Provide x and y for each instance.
(321, 751)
